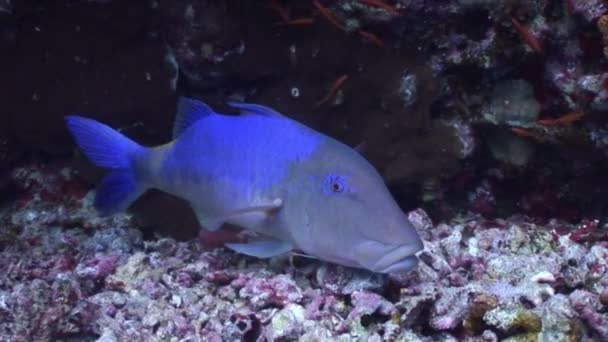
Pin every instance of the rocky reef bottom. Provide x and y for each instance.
(69, 275)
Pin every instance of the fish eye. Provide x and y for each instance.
(335, 184)
(337, 187)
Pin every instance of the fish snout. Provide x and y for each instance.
(400, 259)
(385, 258)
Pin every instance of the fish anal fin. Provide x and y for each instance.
(189, 111)
(261, 248)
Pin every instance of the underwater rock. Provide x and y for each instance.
(287, 323)
(342, 280)
(588, 9)
(436, 151)
(488, 2)
(277, 291)
(367, 303)
(511, 320)
(512, 102)
(557, 321)
(482, 200)
(6, 6)
(83, 58)
(587, 306)
(510, 148)
(243, 324)
(460, 50)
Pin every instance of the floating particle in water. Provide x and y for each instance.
(293, 56)
(295, 92)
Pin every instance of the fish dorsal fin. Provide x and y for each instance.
(189, 111)
(361, 148)
(251, 108)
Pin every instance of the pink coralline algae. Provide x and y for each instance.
(589, 9)
(368, 303)
(589, 309)
(98, 267)
(482, 199)
(277, 291)
(71, 274)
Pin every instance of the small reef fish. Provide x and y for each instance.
(298, 189)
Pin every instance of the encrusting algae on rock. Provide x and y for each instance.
(97, 279)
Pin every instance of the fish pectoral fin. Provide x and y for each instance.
(254, 213)
(261, 248)
(244, 216)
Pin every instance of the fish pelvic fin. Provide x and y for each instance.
(261, 248)
(107, 148)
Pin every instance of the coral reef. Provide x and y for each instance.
(69, 274)
(488, 116)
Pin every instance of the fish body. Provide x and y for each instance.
(295, 187)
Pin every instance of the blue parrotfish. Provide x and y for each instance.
(299, 190)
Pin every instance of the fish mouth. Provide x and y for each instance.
(399, 259)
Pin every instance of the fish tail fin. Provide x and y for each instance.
(107, 148)
(117, 191)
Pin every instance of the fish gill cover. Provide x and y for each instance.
(486, 119)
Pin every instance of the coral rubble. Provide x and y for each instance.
(69, 274)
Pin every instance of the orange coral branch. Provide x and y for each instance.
(281, 11)
(334, 88)
(372, 38)
(570, 7)
(297, 22)
(524, 132)
(526, 36)
(327, 14)
(380, 4)
(562, 120)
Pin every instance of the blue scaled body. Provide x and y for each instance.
(295, 187)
